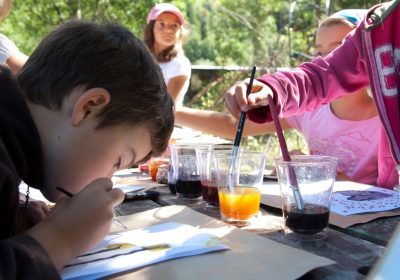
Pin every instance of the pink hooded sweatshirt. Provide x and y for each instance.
(370, 55)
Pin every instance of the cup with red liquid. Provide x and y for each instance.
(208, 172)
(315, 177)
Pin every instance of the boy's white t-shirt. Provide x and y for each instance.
(178, 66)
(7, 48)
(354, 143)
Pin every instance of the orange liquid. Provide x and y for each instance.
(240, 205)
(153, 167)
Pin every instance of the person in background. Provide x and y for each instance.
(90, 101)
(369, 55)
(9, 52)
(163, 35)
(345, 128)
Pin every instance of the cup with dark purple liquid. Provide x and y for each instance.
(315, 176)
(184, 178)
(187, 184)
(208, 171)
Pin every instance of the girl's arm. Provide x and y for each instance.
(175, 86)
(16, 61)
(306, 87)
(220, 124)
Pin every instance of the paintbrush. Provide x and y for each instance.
(67, 193)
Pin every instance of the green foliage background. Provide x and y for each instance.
(222, 32)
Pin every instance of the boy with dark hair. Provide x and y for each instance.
(89, 101)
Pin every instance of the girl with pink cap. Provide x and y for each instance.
(163, 35)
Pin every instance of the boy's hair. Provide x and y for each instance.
(83, 55)
(169, 53)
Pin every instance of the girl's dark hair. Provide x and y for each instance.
(86, 55)
(166, 55)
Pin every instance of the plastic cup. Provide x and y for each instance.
(208, 172)
(315, 177)
(238, 179)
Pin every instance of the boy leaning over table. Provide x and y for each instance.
(89, 101)
(370, 55)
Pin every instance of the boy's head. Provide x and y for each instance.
(81, 59)
(88, 55)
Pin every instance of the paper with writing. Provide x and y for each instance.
(270, 195)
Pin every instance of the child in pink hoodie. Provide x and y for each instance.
(370, 55)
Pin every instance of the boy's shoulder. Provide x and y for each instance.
(379, 13)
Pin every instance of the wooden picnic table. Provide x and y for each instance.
(355, 249)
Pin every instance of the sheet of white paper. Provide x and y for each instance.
(127, 188)
(33, 193)
(182, 240)
(124, 172)
(352, 198)
(118, 182)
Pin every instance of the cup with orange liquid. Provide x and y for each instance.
(238, 179)
(154, 163)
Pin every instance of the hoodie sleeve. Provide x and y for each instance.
(22, 257)
(317, 82)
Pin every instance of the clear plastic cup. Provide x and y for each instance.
(314, 176)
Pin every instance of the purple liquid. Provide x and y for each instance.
(172, 188)
(188, 188)
(313, 219)
(210, 194)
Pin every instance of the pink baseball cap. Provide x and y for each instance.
(165, 8)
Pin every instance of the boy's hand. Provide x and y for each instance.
(37, 210)
(77, 223)
(236, 101)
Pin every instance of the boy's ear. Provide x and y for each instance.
(89, 104)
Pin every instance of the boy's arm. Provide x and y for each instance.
(22, 257)
(78, 223)
(220, 124)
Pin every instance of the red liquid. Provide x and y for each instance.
(188, 188)
(313, 219)
(210, 194)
